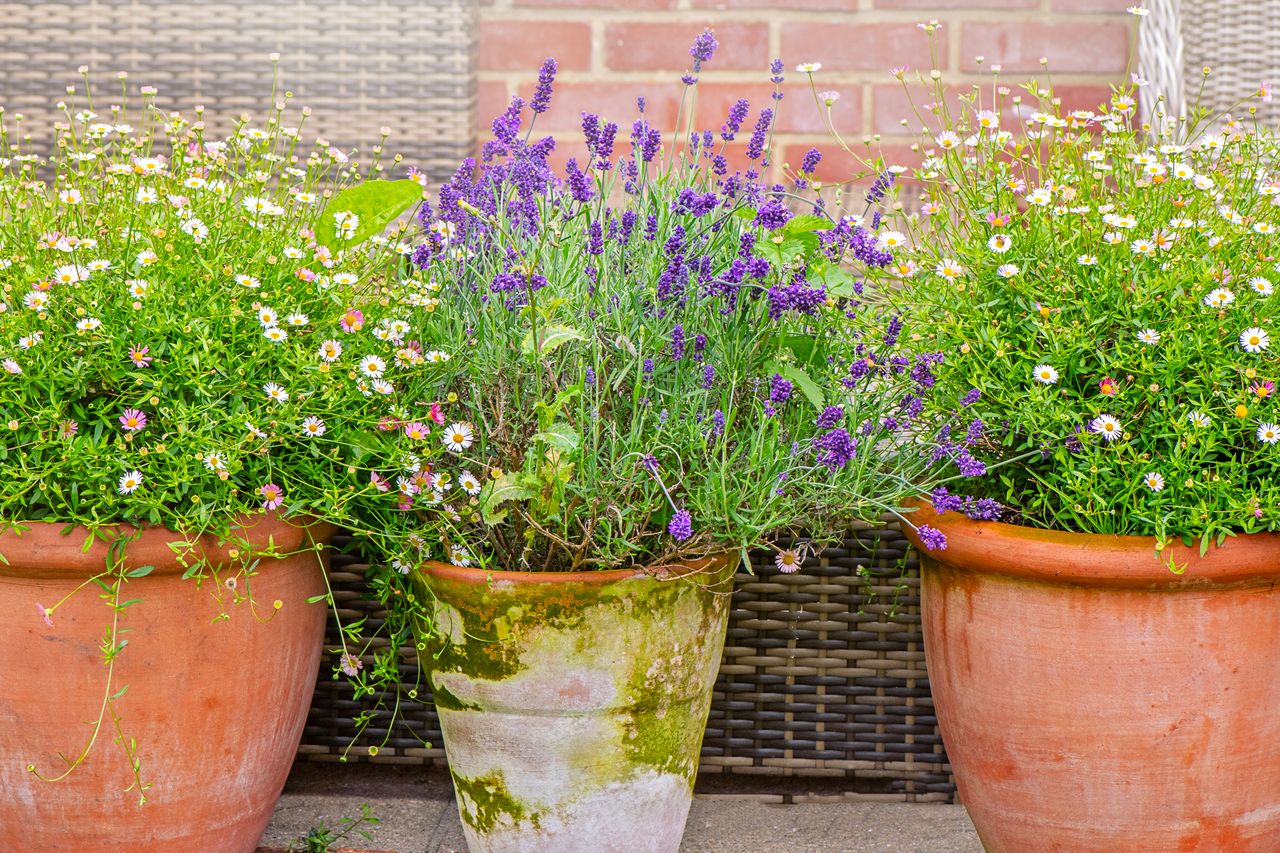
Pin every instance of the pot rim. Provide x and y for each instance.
(1093, 559)
(43, 551)
(666, 571)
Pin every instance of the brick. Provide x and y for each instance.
(776, 5)
(660, 46)
(612, 101)
(890, 104)
(1116, 6)
(1008, 5)
(858, 47)
(630, 5)
(1082, 97)
(1100, 48)
(510, 45)
(491, 100)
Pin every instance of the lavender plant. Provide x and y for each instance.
(664, 358)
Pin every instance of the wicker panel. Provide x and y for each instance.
(1235, 38)
(823, 676)
(404, 64)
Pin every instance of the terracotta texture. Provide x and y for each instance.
(573, 705)
(216, 705)
(1091, 699)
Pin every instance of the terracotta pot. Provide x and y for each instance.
(1091, 699)
(573, 704)
(216, 705)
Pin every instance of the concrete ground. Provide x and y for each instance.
(418, 815)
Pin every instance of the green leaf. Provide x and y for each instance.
(806, 385)
(803, 347)
(806, 224)
(561, 436)
(800, 244)
(140, 572)
(316, 599)
(549, 338)
(499, 491)
(376, 203)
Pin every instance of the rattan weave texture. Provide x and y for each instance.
(404, 64)
(823, 675)
(1235, 39)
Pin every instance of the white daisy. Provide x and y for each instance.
(1198, 420)
(248, 281)
(297, 319)
(88, 324)
(1106, 426)
(1219, 298)
(1268, 433)
(1087, 260)
(1007, 270)
(458, 436)
(268, 317)
(1261, 286)
(70, 274)
(275, 391)
(372, 366)
(469, 483)
(1000, 243)
(1045, 374)
(275, 334)
(949, 269)
(129, 482)
(313, 427)
(214, 461)
(1153, 481)
(383, 387)
(330, 351)
(1149, 336)
(1254, 340)
(138, 287)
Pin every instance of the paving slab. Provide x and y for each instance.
(418, 815)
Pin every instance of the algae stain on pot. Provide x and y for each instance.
(484, 802)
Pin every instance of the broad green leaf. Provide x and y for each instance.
(561, 436)
(376, 203)
(803, 347)
(806, 224)
(549, 338)
(499, 491)
(140, 572)
(804, 383)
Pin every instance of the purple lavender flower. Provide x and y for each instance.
(578, 182)
(755, 146)
(645, 140)
(541, 99)
(507, 125)
(681, 526)
(974, 432)
(649, 462)
(733, 123)
(932, 538)
(835, 449)
(797, 296)
(972, 397)
(829, 417)
(704, 47)
(590, 378)
(677, 342)
(811, 160)
(775, 68)
(708, 376)
(880, 188)
(892, 332)
(604, 145)
(648, 368)
(779, 389)
(717, 422)
(591, 130)
(944, 501)
(773, 214)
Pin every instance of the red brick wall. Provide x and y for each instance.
(612, 50)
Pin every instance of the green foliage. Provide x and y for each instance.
(374, 204)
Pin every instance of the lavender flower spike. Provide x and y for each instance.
(932, 538)
(704, 47)
(541, 99)
(681, 526)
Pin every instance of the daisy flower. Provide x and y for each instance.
(214, 461)
(1261, 286)
(1045, 374)
(345, 278)
(313, 427)
(1007, 270)
(248, 281)
(11, 366)
(275, 391)
(372, 366)
(297, 319)
(129, 482)
(132, 420)
(469, 483)
(892, 239)
(788, 561)
(138, 287)
(70, 274)
(949, 269)
(461, 556)
(1106, 426)
(351, 665)
(138, 355)
(416, 430)
(147, 258)
(1087, 260)
(436, 356)
(352, 321)
(1198, 420)
(382, 386)
(267, 317)
(330, 351)
(28, 341)
(254, 430)
(458, 436)
(88, 324)
(1268, 433)
(1149, 337)
(808, 67)
(1219, 298)
(1254, 340)
(1153, 481)
(36, 300)
(1000, 243)
(273, 496)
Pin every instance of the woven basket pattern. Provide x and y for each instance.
(404, 64)
(823, 675)
(1234, 38)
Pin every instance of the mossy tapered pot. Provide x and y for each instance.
(573, 704)
(214, 692)
(1096, 695)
